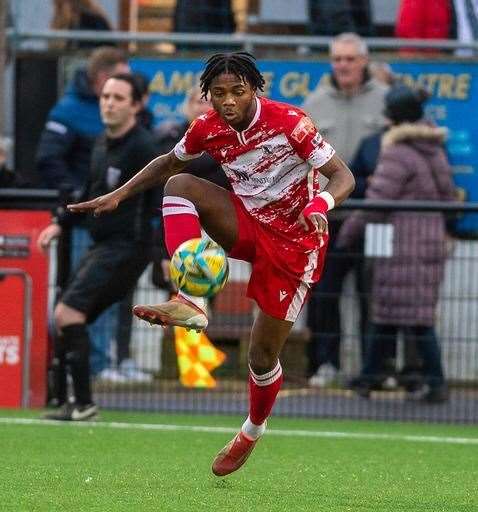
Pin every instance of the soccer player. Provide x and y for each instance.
(275, 218)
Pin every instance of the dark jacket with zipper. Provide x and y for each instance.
(113, 163)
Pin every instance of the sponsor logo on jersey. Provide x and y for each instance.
(241, 175)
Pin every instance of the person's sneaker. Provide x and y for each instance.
(112, 375)
(389, 383)
(73, 412)
(325, 376)
(131, 373)
(177, 311)
(233, 455)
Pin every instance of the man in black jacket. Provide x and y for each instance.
(122, 244)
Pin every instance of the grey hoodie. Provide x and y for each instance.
(345, 120)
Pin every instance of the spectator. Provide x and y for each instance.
(417, 19)
(64, 150)
(364, 164)
(347, 109)
(204, 16)
(78, 15)
(412, 166)
(446, 19)
(332, 17)
(122, 245)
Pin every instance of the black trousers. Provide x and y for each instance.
(323, 313)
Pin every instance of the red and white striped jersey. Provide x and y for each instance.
(272, 164)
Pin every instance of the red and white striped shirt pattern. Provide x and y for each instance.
(272, 164)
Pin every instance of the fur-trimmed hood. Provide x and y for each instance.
(415, 133)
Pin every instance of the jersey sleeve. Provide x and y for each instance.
(191, 145)
(308, 142)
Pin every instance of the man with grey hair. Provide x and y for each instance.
(347, 107)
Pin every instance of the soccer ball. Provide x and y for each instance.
(199, 267)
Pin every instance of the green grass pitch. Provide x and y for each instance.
(132, 462)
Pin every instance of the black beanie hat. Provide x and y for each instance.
(402, 104)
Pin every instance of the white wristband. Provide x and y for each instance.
(328, 198)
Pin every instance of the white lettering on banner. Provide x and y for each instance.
(9, 350)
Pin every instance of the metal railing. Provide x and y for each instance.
(245, 40)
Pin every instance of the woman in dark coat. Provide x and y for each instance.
(405, 287)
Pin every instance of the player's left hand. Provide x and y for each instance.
(316, 222)
(314, 216)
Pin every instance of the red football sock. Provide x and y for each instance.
(181, 222)
(263, 391)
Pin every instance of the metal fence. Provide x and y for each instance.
(150, 380)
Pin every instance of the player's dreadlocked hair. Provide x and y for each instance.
(241, 64)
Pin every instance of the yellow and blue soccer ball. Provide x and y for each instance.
(199, 267)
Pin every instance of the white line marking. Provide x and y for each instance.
(228, 430)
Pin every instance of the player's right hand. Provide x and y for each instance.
(99, 205)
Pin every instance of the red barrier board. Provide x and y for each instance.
(19, 230)
(12, 290)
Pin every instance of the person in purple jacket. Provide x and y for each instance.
(405, 287)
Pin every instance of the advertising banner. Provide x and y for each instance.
(19, 231)
(12, 291)
(453, 87)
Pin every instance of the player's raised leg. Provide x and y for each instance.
(189, 203)
(265, 378)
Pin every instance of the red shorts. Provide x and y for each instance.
(282, 271)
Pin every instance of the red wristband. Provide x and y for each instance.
(318, 205)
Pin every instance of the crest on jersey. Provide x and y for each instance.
(303, 128)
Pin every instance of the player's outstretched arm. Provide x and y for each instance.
(155, 173)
